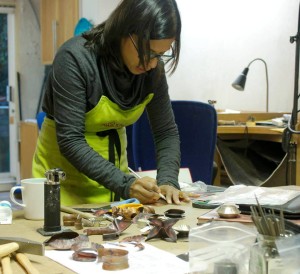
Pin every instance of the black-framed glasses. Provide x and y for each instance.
(166, 57)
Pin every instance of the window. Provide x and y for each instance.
(9, 160)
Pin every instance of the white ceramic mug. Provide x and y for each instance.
(32, 197)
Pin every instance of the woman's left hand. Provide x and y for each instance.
(173, 195)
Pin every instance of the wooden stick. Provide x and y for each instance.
(6, 267)
(84, 215)
(8, 248)
(25, 262)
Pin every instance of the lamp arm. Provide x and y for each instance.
(267, 80)
(293, 121)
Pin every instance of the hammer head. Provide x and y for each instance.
(25, 245)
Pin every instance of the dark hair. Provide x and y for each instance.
(148, 19)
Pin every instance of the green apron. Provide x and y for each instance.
(78, 188)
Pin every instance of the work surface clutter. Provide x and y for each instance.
(214, 233)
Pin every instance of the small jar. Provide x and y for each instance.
(264, 257)
(5, 213)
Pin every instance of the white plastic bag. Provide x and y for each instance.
(218, 243)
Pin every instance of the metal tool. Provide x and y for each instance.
(107, 207)
(52, 202)
(18, 246)
(267, 224)
(23, 245)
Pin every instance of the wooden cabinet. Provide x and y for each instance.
(58, 21)
(28, 135)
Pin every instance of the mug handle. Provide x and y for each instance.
(12, 197)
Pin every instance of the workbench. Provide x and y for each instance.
(28, 229)
(233, 126)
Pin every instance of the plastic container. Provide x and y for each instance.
(5, 213)
(289, 250)
(264, 256)
(220, 247)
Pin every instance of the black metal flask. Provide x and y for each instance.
(52, 199)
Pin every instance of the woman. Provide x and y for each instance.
(100, 83)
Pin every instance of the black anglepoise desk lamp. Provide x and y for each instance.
(287, 144)
(293, 122)
(240, 81)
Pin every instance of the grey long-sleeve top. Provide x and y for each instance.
(76, 82)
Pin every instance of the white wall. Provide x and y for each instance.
(97, 10)
(219, 39)
(28, 55)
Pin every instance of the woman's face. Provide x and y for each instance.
(131, 58)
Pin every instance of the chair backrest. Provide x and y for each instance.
(197, 125)
(131, 162)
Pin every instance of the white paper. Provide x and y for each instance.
(183, 176)
(229, 111)
(148, 261)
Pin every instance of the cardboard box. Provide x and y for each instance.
(28, 139)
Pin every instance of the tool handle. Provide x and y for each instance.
(24, 261)
(6, 267)
(72, 210)
(6, 249)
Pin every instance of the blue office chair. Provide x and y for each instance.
(197, 125)
(130, 160)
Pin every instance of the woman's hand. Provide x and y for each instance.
(145, 189)
(174, 195)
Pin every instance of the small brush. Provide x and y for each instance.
(138, 176)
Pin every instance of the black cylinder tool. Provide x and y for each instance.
(52, 201)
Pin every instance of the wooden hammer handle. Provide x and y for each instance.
(74, 211)
(6, 267)
(24, 261)
(6, 249)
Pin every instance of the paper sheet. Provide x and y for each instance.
(183, 176)
(148, 261)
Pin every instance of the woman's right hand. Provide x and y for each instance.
(145, 189)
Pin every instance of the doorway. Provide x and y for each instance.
(9, 162)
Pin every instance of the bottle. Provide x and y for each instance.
(5, 213)
(264, 257)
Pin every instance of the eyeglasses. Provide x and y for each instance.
(166, 57)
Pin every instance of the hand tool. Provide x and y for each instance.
(138, 176)
(52, 200)
(106, 207)
(5, 263)
(19, 246)
(24, 261)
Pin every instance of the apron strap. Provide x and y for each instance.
(113, 142)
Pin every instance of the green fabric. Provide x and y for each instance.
(78, 188)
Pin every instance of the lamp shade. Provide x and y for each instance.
(240, 81)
